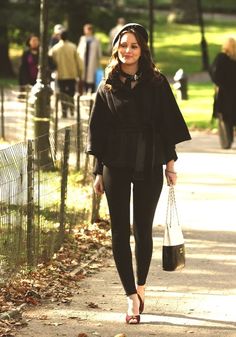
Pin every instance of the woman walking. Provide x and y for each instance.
(223, 74)
(28, 70)
(134, 126)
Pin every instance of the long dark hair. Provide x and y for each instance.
(146, 64)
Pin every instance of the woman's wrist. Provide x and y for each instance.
(170, 171)
(170, 167)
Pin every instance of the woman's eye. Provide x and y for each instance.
(126, 46)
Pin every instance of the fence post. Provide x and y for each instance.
(56, 123)
(64, 178)
(2, 114)
(26, 112)
(79, 133)
(30, 203)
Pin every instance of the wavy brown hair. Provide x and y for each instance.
(146, 64)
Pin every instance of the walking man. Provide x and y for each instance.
(69, 70)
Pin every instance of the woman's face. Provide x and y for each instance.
(34, 42)
(129, 51)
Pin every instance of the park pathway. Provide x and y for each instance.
(200, 299)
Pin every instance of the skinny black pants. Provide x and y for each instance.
(146, 193)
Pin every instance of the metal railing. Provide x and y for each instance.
(33, 193)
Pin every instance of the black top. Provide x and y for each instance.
(29, 68)
(223, 74)
(223, 71)
(126, 127)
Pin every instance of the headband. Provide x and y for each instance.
(136, 27)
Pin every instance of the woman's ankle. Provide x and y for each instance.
(133, 304)
(141, 291)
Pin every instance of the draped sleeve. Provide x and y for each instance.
(173, 127)
(98, 131)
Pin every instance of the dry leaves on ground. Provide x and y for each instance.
(83, 252)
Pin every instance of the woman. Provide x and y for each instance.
(223, 73)
(134, 126)
(29, 63)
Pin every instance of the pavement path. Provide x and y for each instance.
(18, 119)
(200, 299)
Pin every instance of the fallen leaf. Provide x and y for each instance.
(31, 300)
(92, 305)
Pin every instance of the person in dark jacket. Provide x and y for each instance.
(223, 74)
(29, 64)
(134, 126)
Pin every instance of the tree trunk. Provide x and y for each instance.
(6, 69)
(151, 25)
(76, 19)
(184, 11)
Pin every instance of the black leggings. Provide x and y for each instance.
(146, 193)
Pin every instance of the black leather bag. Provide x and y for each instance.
(173, 250)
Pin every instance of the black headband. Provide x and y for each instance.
(136, 27)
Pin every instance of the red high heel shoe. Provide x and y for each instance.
(141, 304)
(134, 319)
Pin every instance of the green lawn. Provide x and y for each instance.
(178, 46)
(197, 110)
(212, 5)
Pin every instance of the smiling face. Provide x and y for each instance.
(129, 51)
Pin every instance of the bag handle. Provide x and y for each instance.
(171, 211)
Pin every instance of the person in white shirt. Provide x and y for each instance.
(89, 50)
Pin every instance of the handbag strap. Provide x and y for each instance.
(171, 211)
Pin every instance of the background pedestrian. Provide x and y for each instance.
(28, 70)
(69, 70)
(223, 74)
(89, 50)
(55, 38)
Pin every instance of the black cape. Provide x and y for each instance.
(160, 104)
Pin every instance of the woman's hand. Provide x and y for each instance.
(98, 184)
(171, 175)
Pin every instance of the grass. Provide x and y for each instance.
(197, 110)
(178, 46)
(211, 5)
